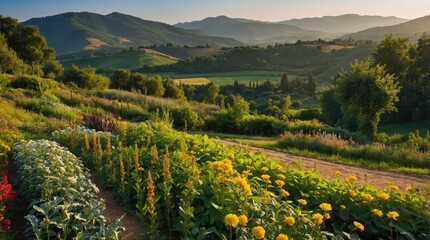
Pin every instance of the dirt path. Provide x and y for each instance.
(378, 178)
(133, 225)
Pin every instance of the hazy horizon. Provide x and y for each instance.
(192, 10)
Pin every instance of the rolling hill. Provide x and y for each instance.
(126, 59)
(348, 23)
(252, 32)
(77, 31)
(412, 29)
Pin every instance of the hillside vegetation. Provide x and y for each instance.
(126, 59)
(412, 29)
(73, 32)
(347, 23)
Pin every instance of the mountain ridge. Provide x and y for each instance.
(70, 32)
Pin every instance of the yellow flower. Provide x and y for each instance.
(302, 202)
(394, 187)
(265, 177)
(325, 207)
(352, 193)
(409, 189)
(231, 155)
(280, 167)
(318, 218)
(281, 237)
(258, 232)
(284, 193)
(220, 179)
(246, 173)
(327, 215)
(337, 173)
(266, 196)
(377, 212)
(367, 197)
(358, 225)
(393, 215)
(290, 220)
(243, 220)
(264, 169)
(231, 220)
(241, 182)
(305, 220)
(280, 183)
(140, 169)
(383, 196)
(281, 176)
(351, 179)
(342, 206)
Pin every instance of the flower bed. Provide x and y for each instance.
(64, 203)
(194, 188)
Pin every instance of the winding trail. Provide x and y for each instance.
(378, 178)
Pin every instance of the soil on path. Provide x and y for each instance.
(378, 178)
(114, 209)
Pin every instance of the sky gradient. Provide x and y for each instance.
(170, 11)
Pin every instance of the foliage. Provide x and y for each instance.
(211, 184)
(9, 61)
(413, 153)
(64, 201)
(364, 94)
(31, 82)
(49, 106)
(53, 70)
(392, 53)
(85, 78)
(99, 123)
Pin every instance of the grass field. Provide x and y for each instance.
(192, 81)
(128, 60)
(405, 128)
(228, 78)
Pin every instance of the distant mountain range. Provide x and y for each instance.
(252, 32)
(412, 29)
(255, 32)
(75, 32)
(343, 24)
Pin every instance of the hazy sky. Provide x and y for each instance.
(170, 11)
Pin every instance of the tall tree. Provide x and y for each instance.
(212, 94)
(393, 54)
(284, 84)
(366, 92)
(120, 78)
(9, 61)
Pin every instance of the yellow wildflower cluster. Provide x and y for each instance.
(358, 225)
(231, 220)
(246, 173)
(318, 218)
(241, 182)
(351, 179)
(393, 215)
(224, 166)
(258, 232)
(367, 197)
(352, 193)
(325, 207)
(243, 220)
(280, 183)
(264, 169)
(377, 212)
(290, 220)
(281, 176)
(266, 196)
(281, 237)
(302, 202)
(327, 215)
(266, 178)
(383, 196)
(394, 187)
(283, 193)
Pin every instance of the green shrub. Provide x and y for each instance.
(186, 115)
(34, 83)
(4, 81)
(262, 125)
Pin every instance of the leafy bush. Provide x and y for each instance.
(182, 116)
(309, 114)
(262, 125)
(34, 83)
(99, 123)
(4, 81)
(49, 107)
(64, 203)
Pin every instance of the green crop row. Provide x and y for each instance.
(63, 201)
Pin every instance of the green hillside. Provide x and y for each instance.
(412, 29)
(306, 59)
(347, 23)
(74, 32)
(128, 60)
(253, 32)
